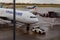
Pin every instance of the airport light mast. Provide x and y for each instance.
(14, 21)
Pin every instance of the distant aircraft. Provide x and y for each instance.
(25, 17)
(32, 9)
(51, 14)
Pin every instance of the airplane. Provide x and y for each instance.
(32, 9)
(25, 17)
(51, 14)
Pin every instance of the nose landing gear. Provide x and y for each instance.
(27, 28)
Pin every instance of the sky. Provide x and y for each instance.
(33, 1)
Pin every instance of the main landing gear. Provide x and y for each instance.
(36, 30)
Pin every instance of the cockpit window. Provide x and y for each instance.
(32, 17)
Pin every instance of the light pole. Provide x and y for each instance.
(14, 21)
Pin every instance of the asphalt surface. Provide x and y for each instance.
(52, 33)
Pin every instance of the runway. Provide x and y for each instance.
(6, 32)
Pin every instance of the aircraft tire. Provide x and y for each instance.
(39, 32)
(35, 31)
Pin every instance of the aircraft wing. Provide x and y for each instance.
(2, 21)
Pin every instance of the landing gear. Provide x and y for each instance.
(27, 28)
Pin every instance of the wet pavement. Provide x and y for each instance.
(51, 34)
(6, 32)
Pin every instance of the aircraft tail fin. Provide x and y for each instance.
(33, 8)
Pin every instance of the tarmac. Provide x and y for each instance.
(52, 33)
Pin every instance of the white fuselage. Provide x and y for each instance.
(21, 16)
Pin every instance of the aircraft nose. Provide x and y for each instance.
(35, 20)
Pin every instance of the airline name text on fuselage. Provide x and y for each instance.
(11, 12)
